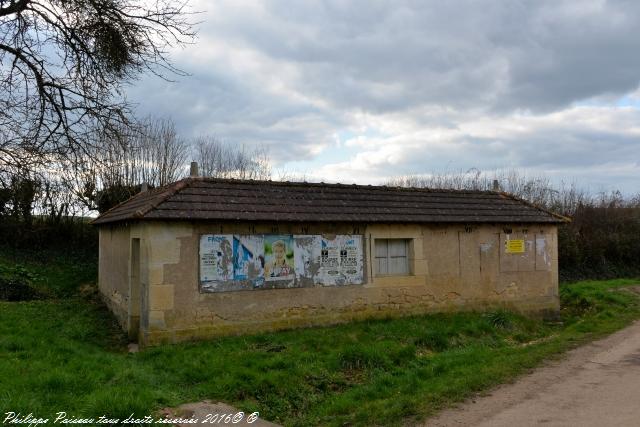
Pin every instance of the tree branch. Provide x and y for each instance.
(14, 7)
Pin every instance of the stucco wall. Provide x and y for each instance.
(113, 270)
(453, 267)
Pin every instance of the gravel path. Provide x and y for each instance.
(594, 385)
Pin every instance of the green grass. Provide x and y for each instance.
(52, 274)
(67, 353)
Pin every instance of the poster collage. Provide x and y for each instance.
(231, 262)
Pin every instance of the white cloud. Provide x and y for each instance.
(362, 91)
(582, 143)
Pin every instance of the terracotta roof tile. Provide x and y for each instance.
(246, 200)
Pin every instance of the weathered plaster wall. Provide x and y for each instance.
(452, 267)
(113, 270)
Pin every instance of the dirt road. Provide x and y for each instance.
(594, 385)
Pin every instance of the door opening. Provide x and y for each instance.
(134, 291)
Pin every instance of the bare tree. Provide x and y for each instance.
(539, 190)
(62, 64)
(286, 175)
(224, 160)
(151, 153)
(163, 153)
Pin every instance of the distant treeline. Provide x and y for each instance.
(601, 241)
(43, 210)
(46, 202)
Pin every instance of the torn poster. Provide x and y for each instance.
(248, 259)
(216, 258)
(306, 255)
(341, 260)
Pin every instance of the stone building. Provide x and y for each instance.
(204, 257)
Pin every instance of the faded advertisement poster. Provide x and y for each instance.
(329, 272)
(216, 258)
(245, 262)
(306, 255)
(248, 259)
(278, 255)
(351, 259)
(341, 260)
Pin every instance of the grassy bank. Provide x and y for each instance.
(65, 352)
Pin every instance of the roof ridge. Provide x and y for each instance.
(535, 206)
(139, 194)
(342, 185)
(169, 191)
(135, 196)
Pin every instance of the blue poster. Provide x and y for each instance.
(248, 259)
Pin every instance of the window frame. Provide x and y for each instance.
(407, 256)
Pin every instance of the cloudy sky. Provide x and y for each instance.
(361, 91)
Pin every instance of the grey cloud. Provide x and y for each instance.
(213, 102)
(536, 55)
(434, 64)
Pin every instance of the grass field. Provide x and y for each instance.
(65, 353)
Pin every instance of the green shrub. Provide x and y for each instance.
(499, 319)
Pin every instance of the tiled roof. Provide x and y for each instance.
(246, 200)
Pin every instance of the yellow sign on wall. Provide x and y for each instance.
(514, 246)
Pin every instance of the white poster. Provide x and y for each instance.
(216, 257)
(341, 261)
(306, 253)
(351, 265)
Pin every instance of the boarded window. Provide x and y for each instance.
(392, 257)
(442, 250)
